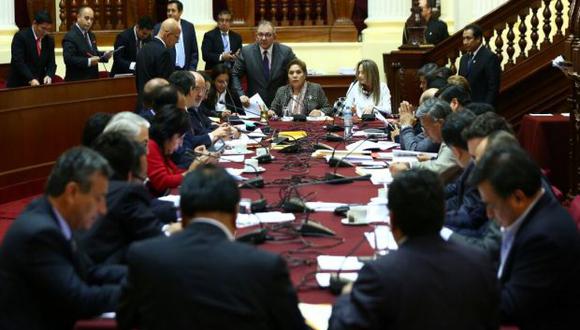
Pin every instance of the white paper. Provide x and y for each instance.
(248, 220)
(255, 103)
(323, 279)
(354, 158)
(232, 158)
(109, 315)
(236, 173)
(410, 153)
(249, 116)
(364, 145)
(326, 262)
(316, 315)
(319, 118)
(257, 133)
(541, 114)
(324, 206)
(379, 176)
(384, 238)
(565, 114)
(171, 198)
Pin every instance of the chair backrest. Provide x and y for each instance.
(574, 210)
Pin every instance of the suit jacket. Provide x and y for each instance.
(445, 161)
(123, 58)
(484, 76)
(161, 171)
(313, 99)
(76, 52)
(436, 31)
(414, 139)
(25, 64)
(46, 282)
(488, 240)
(129, 218)
(211, 282)
(464, 207)
(422, 285)
(201, 126)
(249, 65)
(212, 46)
(153, 61)
(539, 282)
(190, 45)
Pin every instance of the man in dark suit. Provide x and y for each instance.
(154, 60)
(130, 216)
(540, 251)
(427, 283)
(46, 281)
(32, 57)
(480, 66)
(79, 48)
(221, 45)
(264, 64)
(436, 29)
(132, 40)
(185, 54)
(211, 281)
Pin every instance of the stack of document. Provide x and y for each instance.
(254, 219)
(379, 176)
(348, 267)
(353, 158)
(368, 145)
(382, 239)
(322, 153)
(293, 135)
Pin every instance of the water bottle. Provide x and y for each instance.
(347, 117)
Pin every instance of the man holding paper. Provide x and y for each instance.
(264, 64)
(79, 48)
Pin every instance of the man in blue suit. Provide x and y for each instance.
(427, 283)
(540, 252)
(46, 281)
(184, 54)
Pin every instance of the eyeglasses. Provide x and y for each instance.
(224, 20)
(265, 35)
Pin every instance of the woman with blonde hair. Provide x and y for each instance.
(368, 92)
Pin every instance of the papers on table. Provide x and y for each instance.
(236, 173)
(322, 153)
(323, 279)
(109, 315)
(409, 153)
(248, 220)
(384, 238)
(171, 198)
(379, 176)
(366, 145)
(354, 158)
(338, 263)
(324, 206)
(316, 316)
(293, 135)
(257, 133)
(256, 103)
(232, 158)
(541, 114)
(565, 114)
(319, 118)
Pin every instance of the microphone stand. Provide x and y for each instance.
(341, 162)
(336, 283)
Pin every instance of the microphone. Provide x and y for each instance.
(233, 120)
(341, 162)
(299, 117)
(336, 283)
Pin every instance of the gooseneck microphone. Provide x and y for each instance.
(342, 162)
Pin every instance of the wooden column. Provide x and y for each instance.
(572, 53)
(343, 28)
(242, 12)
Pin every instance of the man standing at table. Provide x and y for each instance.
(132, 40)
(264, 64)
(480, 66)
(46, 281)
(32, 58)
(211, 281)
(185, 54)
(221, 45)
(79, 48)
(154, 60)
(427, 283)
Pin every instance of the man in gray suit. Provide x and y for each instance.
(264, 65)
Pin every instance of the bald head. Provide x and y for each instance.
(150, 89)
(169, 32)
(199, 90)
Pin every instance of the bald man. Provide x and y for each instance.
(154, 60)
(79, 48)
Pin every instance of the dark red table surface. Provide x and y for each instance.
(301, 260)
(547, 140)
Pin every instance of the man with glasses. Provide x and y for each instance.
(154, 60)
(32, 58)
(264, 65)
(221, 45)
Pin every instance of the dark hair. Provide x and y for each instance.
(427, 69)
(206, 77)
(178, 3)
(165, 95)
(454, 125)
(76, 165)
(212, 96)
(413, 188)
(42, 16)
(224, 12)
(122, 153)
(183, 80)
(450, 92)
(94, 127)
(476, 29)
(480, 108)
(485, 124)
(167, 122)
(507, 169)
(208, 188)
(145, 22)
(434, 108)
(298, 62)
(82, 8)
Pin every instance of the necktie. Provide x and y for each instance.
(226, 42)
(266, 65)
(38, 47)
(88, 38)
(469, 62)
(139, 45)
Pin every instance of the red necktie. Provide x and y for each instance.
(38, 49)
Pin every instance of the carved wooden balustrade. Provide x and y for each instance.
(109, 14)
(512, 31)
